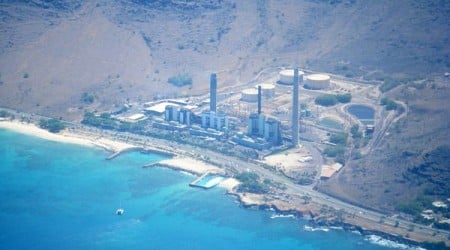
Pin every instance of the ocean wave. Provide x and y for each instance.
(356, 232)
(378, 240)
(313, 229)
(282, 216)
(186, 173)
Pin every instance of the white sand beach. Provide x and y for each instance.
(191, 165)
(65, 136)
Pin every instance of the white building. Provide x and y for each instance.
(217, 121)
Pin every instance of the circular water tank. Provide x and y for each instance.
(267, 89)
(287, 76)
(249, 95)
(317, 81)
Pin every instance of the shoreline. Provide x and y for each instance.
(309, 216)
(183, 162)
(66, 136)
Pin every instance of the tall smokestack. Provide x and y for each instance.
(295, 110)
(259, 99)
(212, 92)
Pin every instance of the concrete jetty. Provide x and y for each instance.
(117, 153)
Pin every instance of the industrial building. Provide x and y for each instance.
(262, 133)
(255, 143)
(272, 131)
(217, 121)
(256, 124)
(176, 113)
(134, 118)
(329, 170)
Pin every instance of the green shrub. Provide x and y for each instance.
(339, 138)
(326, 100)
(305, 181)
(334, 151)
(355, 132)
(87, 98)
(344, 98)
(388, 103)
(330, 100)
(388, 84)
(250, 183)
(180, 80)
(103, 121)
(4, 114)
(52, 125)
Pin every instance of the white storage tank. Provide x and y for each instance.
(317, 81)
(287, 76)
(267, 89)
(249, 95)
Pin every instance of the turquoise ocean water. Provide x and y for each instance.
(63, 196)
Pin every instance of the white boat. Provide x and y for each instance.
(120, 211)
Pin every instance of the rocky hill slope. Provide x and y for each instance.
(52, 53)
(126, 50)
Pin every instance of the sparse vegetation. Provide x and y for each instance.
(337, 151)
(87, 98)
(388, 84)
(180, 80)
(334, 151)
(388, 103)
(250, 182)
(52, 125)
(102, 121)
(354, 130)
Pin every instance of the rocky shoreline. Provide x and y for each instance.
(316, 219)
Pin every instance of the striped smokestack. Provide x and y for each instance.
(295, 110)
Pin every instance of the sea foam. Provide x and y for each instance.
(378, 240)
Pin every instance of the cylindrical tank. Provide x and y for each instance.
(249, 95)
(287, 76)
(317, 81)
(267, 89)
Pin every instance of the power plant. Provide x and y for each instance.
(262, 132)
